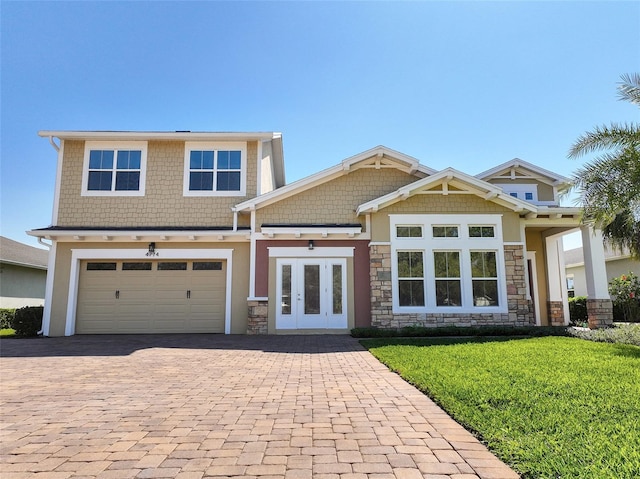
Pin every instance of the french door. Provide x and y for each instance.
(311, 293)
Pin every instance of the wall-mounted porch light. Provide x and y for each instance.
(310, 244)
(152, 250)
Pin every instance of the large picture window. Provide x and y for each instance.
(458, 268)
(215, 169)
(114, 169)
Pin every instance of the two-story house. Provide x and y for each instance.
(175, 232)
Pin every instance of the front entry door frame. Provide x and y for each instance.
(317, 299)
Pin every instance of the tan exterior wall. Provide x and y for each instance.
(240, 279)
(535, 243)
(163, 203)
(450, 204)
(545, 192)
(336, 200)
(21, 286)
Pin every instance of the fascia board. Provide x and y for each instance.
(157, 135)
(66, 234)
(25, 265)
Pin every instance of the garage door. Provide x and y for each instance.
(151, 297)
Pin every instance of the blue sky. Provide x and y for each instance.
(462, 84)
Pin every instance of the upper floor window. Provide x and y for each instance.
(114, 169)
(215, 169)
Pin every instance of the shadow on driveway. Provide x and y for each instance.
(126, 344)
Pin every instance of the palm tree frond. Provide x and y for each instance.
(629, 88)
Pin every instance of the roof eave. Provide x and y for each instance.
(157, 135)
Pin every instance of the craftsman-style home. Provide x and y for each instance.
(172, 232)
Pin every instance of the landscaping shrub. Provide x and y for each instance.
(619, 333)
(27, 321)
(625, 292)
(429, 332)
(578, 310)
(6, 316)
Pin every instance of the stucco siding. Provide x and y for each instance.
(441, 204)
(163, 203)
(20, 286)
(336, 200)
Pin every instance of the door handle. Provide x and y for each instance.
(188, 294)
(117, 294)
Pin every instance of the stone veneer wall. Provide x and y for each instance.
(382, 316)
(599, 313)
(556, 313)
(258, 316)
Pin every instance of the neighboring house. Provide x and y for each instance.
(198, 232)
(23, 274)
(617, 263)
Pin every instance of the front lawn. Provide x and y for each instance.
(550, 407)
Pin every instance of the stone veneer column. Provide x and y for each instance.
(599, 304)
(557, 303)
(258, 316)
(520, 310)
(556, 313)
(599, 313)
(380, 274)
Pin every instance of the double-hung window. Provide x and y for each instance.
(114, 169)
(215, 169)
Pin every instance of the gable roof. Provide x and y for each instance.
(517, 165)
(446, 178)
(379, 157)
(20, 254)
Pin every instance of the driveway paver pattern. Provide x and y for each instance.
(199, 406)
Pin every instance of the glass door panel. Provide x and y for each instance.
(311, 289)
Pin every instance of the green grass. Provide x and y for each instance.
(7, 332)
(550, 407)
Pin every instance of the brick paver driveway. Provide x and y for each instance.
(193, 406)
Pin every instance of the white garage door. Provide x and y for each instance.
(151, 296)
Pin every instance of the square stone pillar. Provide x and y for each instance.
(599, 304)
(558, 304)
(258, 317)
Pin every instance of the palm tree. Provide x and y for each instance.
(609, 185)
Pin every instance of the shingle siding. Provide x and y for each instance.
(163, 203)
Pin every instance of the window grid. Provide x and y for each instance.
(411, 278)
(215, 170)
(447, 278)
(105, 174)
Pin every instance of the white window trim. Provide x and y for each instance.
(464, 244)
(208, 146)
(322, 252)
(118, 254)
(115, 146)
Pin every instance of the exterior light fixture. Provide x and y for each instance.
(152, 250)
(310, 244)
